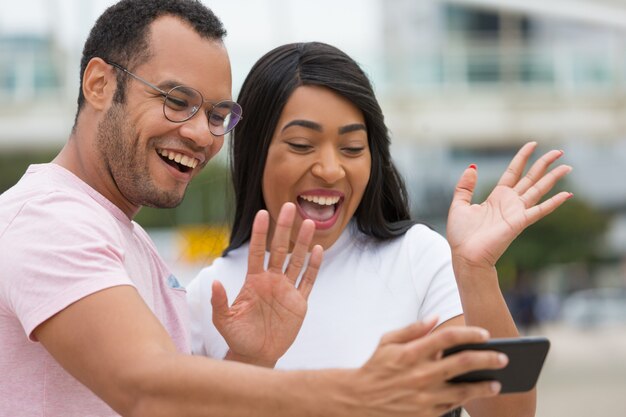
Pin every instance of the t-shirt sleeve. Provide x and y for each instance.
(57, 250)
(205, 338)
(433, 265)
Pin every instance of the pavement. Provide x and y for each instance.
(584, 374)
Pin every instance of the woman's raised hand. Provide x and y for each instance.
(480, 233)
(266, 316)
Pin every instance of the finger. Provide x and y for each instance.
(310, 274)
(281, 238)
(515, 169)
(432, 345)
(298, 255)
(452, 396)
(219, 299)
(544, 185)
(467, 361)
(258, 243)
(537, 171)
(539, 211)
(465, 187)
(411, 332)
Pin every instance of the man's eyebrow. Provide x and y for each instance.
(169, 84)
(304, 123)
(351, 128)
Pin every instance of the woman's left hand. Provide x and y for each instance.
(479, 234)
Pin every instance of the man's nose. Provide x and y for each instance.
(197, 130)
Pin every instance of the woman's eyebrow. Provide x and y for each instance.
(351, 128)
(304, 123)
(318, 128)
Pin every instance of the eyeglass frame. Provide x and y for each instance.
(166, 94)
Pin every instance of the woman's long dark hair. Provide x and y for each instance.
(383, 212)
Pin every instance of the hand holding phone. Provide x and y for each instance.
(526, 357)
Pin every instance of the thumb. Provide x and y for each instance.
(465, 187)
(219, 299)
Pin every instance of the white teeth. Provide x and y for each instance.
(179, 158)
(321, 200)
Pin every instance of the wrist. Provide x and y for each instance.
(233, 356)
(475, 275)
(464, 265)
(341, 389)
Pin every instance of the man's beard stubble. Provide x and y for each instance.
(126, 161)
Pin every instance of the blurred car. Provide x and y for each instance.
(595, 307)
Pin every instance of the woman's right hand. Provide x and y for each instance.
(266, 316)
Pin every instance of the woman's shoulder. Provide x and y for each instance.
(418, 239)
(423, 231)
(423, 239)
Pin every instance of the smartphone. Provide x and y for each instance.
(526, 357)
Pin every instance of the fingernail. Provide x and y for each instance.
(484, 333)
(472, 166)
(503, 359)
(495, 386)
(570, 195)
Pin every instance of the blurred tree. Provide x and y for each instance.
(206, 202)
(13, 164)
(571, 234)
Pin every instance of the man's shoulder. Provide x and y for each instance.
(45, 205)
(44, 184)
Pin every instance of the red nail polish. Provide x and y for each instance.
(472, 166)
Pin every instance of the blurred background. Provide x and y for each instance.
(460, 82)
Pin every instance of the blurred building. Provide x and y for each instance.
(37, 93)
(460, 81)
(470, 81)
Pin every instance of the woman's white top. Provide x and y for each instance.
(364, 289)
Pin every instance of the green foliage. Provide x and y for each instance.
(206, 202)
(570, 234)
(13, 164)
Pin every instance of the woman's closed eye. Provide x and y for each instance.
(299, 147)
(353, 150)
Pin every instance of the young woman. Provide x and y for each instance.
(314, 135)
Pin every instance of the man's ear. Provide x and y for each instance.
(99, 83)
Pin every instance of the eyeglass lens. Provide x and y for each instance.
(181, 103)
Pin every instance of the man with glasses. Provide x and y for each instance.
(181, 103)
(84, 282)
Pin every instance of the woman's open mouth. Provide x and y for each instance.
(322, 209)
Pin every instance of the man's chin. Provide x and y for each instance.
(163, 201)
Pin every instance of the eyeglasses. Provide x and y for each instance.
(182, 103)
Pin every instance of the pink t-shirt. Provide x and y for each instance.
(60, 240)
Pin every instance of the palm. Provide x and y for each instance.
(484, 231)
(266, 316)
(480, 233)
